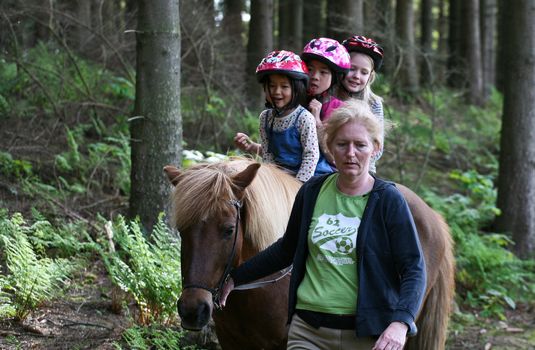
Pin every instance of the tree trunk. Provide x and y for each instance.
(426, 43)
(472, 51)
(313, 21)
(385, 35)
(516, 185)
(291, 25)
(83, 33)
(232, 24)
(441, 67)
(156, 128)
(501, 67)
(408, 74)
(488, 47)
(344, 18)
(455, 61)
(259, 45)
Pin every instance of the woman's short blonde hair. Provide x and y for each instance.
(354, 111)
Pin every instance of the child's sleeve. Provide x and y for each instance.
(266, 155)
(309, 141)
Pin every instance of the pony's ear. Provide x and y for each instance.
(172, 173)
(244, 179)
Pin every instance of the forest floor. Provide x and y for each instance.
(83, 319)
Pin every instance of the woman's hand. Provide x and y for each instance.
(393, 338)
(228, 286)
(314, 106)
(243, 142)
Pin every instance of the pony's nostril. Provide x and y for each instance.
(204, 312)
(194, 317)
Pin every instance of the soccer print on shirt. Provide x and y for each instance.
(336, 234)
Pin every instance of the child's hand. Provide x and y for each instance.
(243, 142)
(315, 108)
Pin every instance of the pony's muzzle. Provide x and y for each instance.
(195, 309)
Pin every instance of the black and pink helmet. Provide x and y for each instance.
(367, 46)
(282, 62)
(328, 51)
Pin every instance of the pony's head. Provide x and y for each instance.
(225, 212)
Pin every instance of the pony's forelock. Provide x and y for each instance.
(204, 190)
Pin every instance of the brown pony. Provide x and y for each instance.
(216, 231)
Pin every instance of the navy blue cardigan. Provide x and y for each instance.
(390, 263)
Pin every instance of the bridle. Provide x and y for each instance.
(216, 292)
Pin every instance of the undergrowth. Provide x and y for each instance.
(147, 269)
(153, 337)
(30, 277)
(489, 277)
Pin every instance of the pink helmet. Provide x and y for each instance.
(282, 62)
(328, 51)
(367, 46)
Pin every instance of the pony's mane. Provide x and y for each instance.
(205, 189)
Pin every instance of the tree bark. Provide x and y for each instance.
(232, 24)
(313, 21)
(344, 18)
(472, 51)
(291, 25)
(442, 51)
(386, 36)
(501, 67)
(259, 45)
(408, 73)
(426, 43)
(516, 184)
(156, 128)
(488, 47)
(455, 60)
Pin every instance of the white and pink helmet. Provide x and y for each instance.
(328, 51)
(282, 62)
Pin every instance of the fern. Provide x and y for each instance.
(149, 271)
(30, 279)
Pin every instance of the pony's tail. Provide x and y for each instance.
(433, 320)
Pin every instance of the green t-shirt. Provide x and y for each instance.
(330, 282)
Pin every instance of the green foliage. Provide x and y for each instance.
(154, 337)
(31, 277)
(99, 158)
(69, 240)
(148, 270)
(14, 167)
(489, 277)
(46, 77)
(441, 127)
(211, 120)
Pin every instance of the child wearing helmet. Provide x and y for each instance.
(287, 130)
(327, 62)
(366, 58)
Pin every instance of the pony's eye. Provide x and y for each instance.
(228, 231)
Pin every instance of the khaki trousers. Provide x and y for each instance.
(303, 336)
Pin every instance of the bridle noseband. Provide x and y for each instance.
(216, 292)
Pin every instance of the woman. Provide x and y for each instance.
(358, 276)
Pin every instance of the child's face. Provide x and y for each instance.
(320, 77)
(359, 74)
(279, 90)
